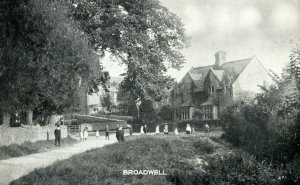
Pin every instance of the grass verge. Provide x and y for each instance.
(16, 150)
(185, 160)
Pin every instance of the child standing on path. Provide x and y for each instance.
(85, 134)
(107, 133)
(81, 135)
(97, 134)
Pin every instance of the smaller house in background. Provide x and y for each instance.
(203, 91)
(102, 101)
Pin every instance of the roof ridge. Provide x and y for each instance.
(224, 63)
(237, 60)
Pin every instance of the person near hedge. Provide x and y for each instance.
(57, 135)
(188, 129)
(107, 133)
(157, 129)
(166, 130)
(145, 129)
(142, 130)
(175, 131)
(130, 129)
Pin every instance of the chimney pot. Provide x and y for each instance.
(220, 58)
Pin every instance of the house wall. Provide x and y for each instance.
(253, 75)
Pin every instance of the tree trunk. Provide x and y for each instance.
(29, 115)
(52, 119)
(6, 119)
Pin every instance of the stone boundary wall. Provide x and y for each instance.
(19, 135)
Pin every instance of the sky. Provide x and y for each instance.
(267, 29)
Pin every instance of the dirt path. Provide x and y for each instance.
(14, 168)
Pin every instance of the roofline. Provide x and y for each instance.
(237, 60)
(213, 74)
(225, 62)
(186, 74)
(244, 67)
(262, 66)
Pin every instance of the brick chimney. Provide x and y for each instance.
(220, 58)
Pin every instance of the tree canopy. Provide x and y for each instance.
(49, 47)
(144, 35)
(44, 55)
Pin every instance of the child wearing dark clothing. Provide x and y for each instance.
(107, 133)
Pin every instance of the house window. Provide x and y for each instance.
(212, 89)
(207, 112)
(185, 114)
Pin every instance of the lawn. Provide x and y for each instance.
(16, 150)
(185, 160)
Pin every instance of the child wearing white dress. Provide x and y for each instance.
(85, 134)
(142, 130)
(81, 135)
(157, 129)
(188, 129)
(166, 130)
(97, 134)
(176, 131)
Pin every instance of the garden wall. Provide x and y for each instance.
(18, 135)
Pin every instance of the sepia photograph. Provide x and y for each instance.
(149, 92)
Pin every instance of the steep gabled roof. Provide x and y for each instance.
(231, 69)
(218, 73)
(234, 68)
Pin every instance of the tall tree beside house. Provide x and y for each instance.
(166, 112)
(53, 56)
(144, 35)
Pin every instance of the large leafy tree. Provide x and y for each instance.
(44, 57)
(144, 35)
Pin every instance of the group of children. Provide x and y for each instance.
(84, 134)
(143, 131)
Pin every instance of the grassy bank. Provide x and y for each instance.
(27, 148)
(185, 160)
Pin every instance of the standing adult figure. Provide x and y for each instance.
(57, 135)
(107, 133)
(121, 134)
(118, 132)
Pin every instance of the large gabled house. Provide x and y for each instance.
(203, 91)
